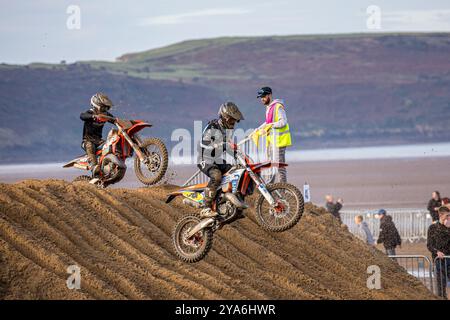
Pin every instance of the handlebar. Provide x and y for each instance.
(101, 116)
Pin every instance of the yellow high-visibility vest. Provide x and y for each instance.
(283, 135)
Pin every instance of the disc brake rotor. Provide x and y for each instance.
(281, 209)
(153, 162)
(195, 241)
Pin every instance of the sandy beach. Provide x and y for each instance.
(363, 184)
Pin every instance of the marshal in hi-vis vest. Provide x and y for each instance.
(283, 135)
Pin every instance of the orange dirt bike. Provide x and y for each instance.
(123, 141)
(278, 208)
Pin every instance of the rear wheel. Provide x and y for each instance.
(153, 169)
(195, 248)
(286, 213)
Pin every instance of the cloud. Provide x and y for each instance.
(427, 19)
(190, 16)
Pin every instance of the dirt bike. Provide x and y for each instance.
(278, 208)
(123, 141)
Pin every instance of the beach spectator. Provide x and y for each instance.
(389, 236)
(276, 116)
(363, 231)
(334, 207)
(434, 204)
(438, 242)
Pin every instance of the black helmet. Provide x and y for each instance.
(264, 91)
(101, 102)
(229, 113)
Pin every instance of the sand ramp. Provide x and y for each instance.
(121, 240)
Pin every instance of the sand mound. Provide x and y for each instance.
(121, 241)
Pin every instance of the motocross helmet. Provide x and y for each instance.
(101, 102)
(229, 113)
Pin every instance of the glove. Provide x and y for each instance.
(233, 146)
(98, 118)
(217, 145)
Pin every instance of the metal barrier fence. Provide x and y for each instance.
(197, 178)
(434, 275)
(418, 266)
(258, 152)
(412, 224)
(442, 274)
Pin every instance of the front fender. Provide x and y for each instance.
(200, 226)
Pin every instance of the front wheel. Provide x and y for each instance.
(287, 212)
(195, 248)
(154, 167)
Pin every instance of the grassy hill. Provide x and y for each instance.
(358, 89)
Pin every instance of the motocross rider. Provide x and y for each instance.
(213, 149)
(93, 127)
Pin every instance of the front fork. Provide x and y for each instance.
(135, 147)
(262, 187)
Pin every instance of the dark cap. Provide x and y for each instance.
(381, 212)
(263, 92)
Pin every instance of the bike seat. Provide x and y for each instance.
(99, 147)
(196, 187)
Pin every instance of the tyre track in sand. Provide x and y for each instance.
(249, 256)
(121, 239)
(245, 262)
(166, 220)
(130, 261)
(135, 244)
(103, 245)
(35, 225)
(335, 252)
(213, 278)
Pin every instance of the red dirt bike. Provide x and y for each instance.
(150, 161)
(279, 207)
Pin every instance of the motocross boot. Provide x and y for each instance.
(95, 171)
(92, 158)
(208, 212)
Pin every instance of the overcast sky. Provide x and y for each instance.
(37, 31)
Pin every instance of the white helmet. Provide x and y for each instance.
(101, 102)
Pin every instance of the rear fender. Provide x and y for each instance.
(172, 196)
(187, 190)
(79, 163)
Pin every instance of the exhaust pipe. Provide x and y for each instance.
(200, 226)
(235, 201)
